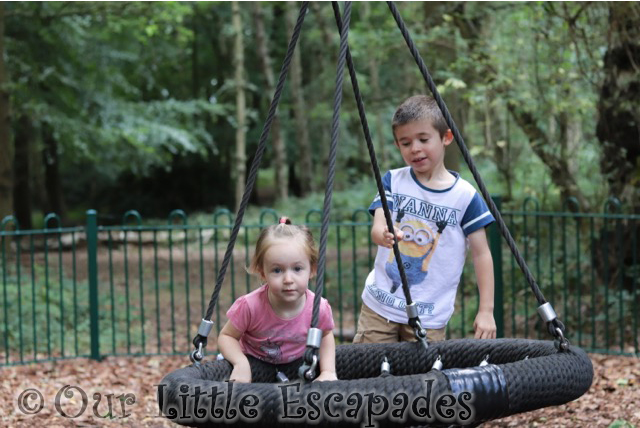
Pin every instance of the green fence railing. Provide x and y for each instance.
(137, 289)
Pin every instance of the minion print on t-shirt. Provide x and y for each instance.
(417, 246)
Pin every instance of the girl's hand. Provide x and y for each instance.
(326, 375)
(485, 326)
(241, 374)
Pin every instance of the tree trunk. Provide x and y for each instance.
(618, 130)
(618, 127)
(52, 182)
(432, 13)
(497, 146)
(195, 78)
(6, 178)
(22, 177)
(238, 64)
(539, 140)
(279, 148)
(504, 156)
(377, 102)
(299, 109)
(323, 59)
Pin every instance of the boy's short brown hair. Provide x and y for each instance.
(419, 107)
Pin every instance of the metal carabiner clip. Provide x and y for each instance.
(196, 355)
(563, 343)
(312, 369)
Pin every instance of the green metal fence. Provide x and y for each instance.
(136, 289)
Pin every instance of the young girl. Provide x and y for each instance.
(271, 323)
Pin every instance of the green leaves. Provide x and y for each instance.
(130, 86)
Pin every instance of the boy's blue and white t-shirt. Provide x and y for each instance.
(435, 224)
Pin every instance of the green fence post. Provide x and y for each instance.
(495, 245)
(92, 262)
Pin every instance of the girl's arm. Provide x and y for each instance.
(485, 324)
(229, 345)
(327, 357)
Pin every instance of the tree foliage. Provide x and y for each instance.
(137, 100)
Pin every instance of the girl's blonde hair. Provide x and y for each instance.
(283, 230)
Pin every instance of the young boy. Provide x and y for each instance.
(436, 214)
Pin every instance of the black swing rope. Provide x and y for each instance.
(524, 375)
(311, 352)
(333, 154)
(200, 340)
(413, 321)
(555, 327)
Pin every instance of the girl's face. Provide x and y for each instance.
(287, 270)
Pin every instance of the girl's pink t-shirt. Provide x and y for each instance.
(269, 337)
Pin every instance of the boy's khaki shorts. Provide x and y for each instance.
(373, 328)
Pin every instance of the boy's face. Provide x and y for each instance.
(421, 146)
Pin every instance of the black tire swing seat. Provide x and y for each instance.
(455, 382)
(523, 375)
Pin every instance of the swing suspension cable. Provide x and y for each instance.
(556, 328)
(315, 335)
(333, 152)
(413, 318)
(200, 339)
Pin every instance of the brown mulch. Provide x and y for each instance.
(614, 395)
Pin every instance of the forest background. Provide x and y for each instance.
(156, 106)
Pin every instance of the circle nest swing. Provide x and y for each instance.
(521, 375)
(455, 382)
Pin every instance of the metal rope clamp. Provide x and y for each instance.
(385, 367)
(548, 315)
(414, 321)
(314, 339)
(198, 354)
(437, 364)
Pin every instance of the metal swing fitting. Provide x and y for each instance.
(197, 355)
(546, 312)
(437, 364)
(421, 333)
(306, 371)
(485, 361)
(412, 311)
(205, 327)
(314, 338)
(203, 330)
(561, 342)
(548, 315)
(385, 367)
(281, 377)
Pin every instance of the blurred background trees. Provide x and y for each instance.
(146, 106)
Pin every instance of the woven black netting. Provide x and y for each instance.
(522, 375)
